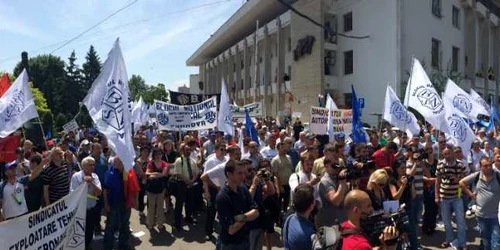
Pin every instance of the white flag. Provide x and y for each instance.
(140, 112)
(462, 102)
(474, 95)
(330, 105)
(396, 114)
(108, 105)
(422, 96)
(225, 121)
(17, 106)
(459, 133)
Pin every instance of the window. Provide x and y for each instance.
(436, 8)
(348, 62)
(454, 59)
(455, 17)
(435, 53)
(242, 65)
(348, 100)
(234, 67)
(241, 84)
(290, 71)
(289, 44)
(348, 22)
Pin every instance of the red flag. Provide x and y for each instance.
(4, 84)
(8, 146)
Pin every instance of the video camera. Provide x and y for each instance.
(354, 172)
(375, 224)
(264, 174)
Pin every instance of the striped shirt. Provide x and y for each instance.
(58, 181)
(450, 174)
(418, 180)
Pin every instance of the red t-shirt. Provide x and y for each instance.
(152, 167)
(131, 188)
(354, 241)
(382, 159)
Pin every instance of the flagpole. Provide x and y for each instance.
(43, 133)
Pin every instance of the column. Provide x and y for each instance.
(281, 64)
(246, 69)
(486, 52)
(470, 45)
(266, 56)
(237, 64)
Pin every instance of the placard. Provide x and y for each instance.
(342, 120)
(70, 126)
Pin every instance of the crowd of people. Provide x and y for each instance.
(244, 189)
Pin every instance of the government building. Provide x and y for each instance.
(288, 53)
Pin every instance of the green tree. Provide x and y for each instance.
(48, 75)
(70, 92)
(60, 121)
(157, 92)
(137, 86)
(91, 69)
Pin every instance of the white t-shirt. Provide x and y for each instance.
(474, 158)
(213, 162)
(217, 175)
(269, 153)
(11, 207)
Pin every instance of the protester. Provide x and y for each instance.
(55, 178)
(487, 188)
(87, 176)
(12, 192)
(116, 206)
(332, 190)
(281, 166)
(185, 175)
(297, 229)
(235, 208)
(141, 164)
(156, 171)
(34, 189)
(448, 173)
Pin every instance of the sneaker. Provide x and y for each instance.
(468, 213)
(473, 208)
(141, 214)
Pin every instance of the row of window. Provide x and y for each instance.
(455, 12)
(436, 55)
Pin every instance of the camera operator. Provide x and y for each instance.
(359, 207)
(332, 190)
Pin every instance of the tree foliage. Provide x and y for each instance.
(60, 121)
(91, 69)
(137, 86)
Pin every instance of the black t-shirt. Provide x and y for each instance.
(378, 203)
(34, 194)
(406, 197)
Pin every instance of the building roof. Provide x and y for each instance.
(236, 28)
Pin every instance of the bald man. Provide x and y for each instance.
(359, 206)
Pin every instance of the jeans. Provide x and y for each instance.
(90, 224)
(414, 218)
(255, 239)
(448, 207)
(181, 192)
(117, 219)
(430, 212)
(489, 232)
(211, 211)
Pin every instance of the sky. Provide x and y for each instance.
(156, 36)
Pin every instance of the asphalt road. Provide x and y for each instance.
(193, 236)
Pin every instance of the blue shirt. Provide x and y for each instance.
(297, 233)
(230, 204)
(113, 182)
(101, 167)
(294, 156)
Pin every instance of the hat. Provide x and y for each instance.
(339, 136)
(11, 164)
(476, 142)
(211, 133)
(85, 143)
(457, 149)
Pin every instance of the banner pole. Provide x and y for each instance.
(43, 133)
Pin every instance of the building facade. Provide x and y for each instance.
(266, 52)
(194, 84)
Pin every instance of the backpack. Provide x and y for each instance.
(476, 179)
(331, 238)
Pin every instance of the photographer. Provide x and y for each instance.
(358, 205)
(332, 190)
